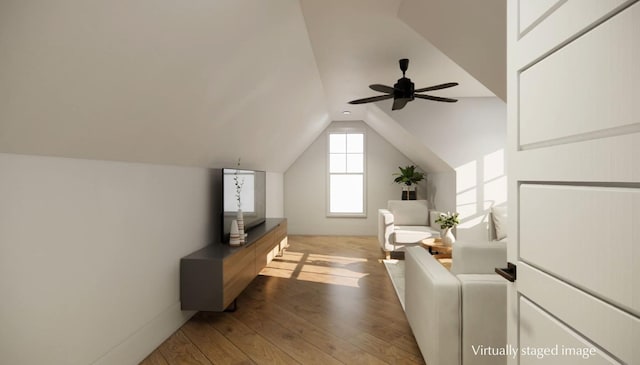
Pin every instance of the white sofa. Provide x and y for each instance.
(405, 223)
(450, 312)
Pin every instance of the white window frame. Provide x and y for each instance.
(347, 130)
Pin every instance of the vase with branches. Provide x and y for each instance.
(239, 182)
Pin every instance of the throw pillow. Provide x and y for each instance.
(499, 216)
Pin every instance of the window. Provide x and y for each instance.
(346, 173)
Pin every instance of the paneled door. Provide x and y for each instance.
(574, 181)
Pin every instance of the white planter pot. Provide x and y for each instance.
(447, 237)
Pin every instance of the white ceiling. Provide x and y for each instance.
(359, 42)
(199, 82)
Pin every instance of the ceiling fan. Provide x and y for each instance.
(404, 91)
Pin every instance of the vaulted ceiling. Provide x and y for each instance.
(205, 82)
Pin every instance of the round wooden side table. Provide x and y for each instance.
(436, 247)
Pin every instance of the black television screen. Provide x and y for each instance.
(252, 194)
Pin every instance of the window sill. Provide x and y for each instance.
(346, 215)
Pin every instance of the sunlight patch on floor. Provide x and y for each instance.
(325, 269)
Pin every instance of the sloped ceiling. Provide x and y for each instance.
(199, 82)
(405, 142)
(194, 82)
(471, 32)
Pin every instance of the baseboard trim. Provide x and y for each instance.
(142, 342)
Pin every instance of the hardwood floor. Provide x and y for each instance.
(328, 300)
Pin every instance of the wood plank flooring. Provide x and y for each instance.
(328, 300)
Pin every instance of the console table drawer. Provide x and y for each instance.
(264, 251)
(238, 271)
(280, 232)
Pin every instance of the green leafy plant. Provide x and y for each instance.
(448, 220)
(408, 175)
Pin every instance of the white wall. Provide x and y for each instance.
(441, 189)
(89, 256)
(470, 136)
(305, 186)
(275, 195)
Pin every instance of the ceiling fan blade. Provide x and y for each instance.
(437, 87)
(371, 99)
(382, 88)
(435, 98)
(399, 103)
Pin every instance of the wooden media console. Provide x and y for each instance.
(213, 277)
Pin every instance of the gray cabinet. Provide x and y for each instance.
(213, 277)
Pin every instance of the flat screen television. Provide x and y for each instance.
(252, 195)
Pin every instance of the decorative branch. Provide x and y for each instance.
(239, 183)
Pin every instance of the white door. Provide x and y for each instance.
(574, 181)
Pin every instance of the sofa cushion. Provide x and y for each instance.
(412, 234)
(409, 212)
(499, 218)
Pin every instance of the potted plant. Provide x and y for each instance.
(447, 222)
(408, 177)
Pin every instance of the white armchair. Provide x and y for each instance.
(405, 223)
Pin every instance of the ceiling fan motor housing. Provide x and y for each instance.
(404, 89)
